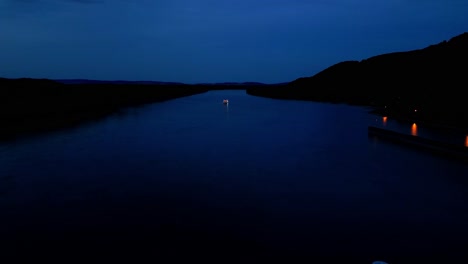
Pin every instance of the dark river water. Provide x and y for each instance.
(253, 181)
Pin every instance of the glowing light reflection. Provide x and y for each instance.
(384, 120)
(414, 129)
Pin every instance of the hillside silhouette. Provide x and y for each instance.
(29, 106)
(429, 80)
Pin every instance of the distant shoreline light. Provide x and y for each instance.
(414, 129)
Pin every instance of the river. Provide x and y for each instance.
(257, 179)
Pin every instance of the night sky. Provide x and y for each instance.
(195, 41)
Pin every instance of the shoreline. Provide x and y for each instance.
(32, 107)
(437, 120)
(439, 147)
(442, 126)
(36, 106)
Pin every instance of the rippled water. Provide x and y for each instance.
(257, 179)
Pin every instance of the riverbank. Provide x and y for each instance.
(436, 146)
(435, 111)
(446, 122)
(32, 106)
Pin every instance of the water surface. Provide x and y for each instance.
(257, 179)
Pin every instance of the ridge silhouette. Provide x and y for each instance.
(430, 80)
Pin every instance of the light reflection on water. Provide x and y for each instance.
(446, 135)
(414, 129)
(274, 177)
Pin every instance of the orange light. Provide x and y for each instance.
(466, 141)
(384, 120)
(414, 129)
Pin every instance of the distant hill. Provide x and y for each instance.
(430, 79)
(86, 81)
(230, 85)
(233, 83)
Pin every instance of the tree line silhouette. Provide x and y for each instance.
(429, 80)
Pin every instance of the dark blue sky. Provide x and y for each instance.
(195, 41)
